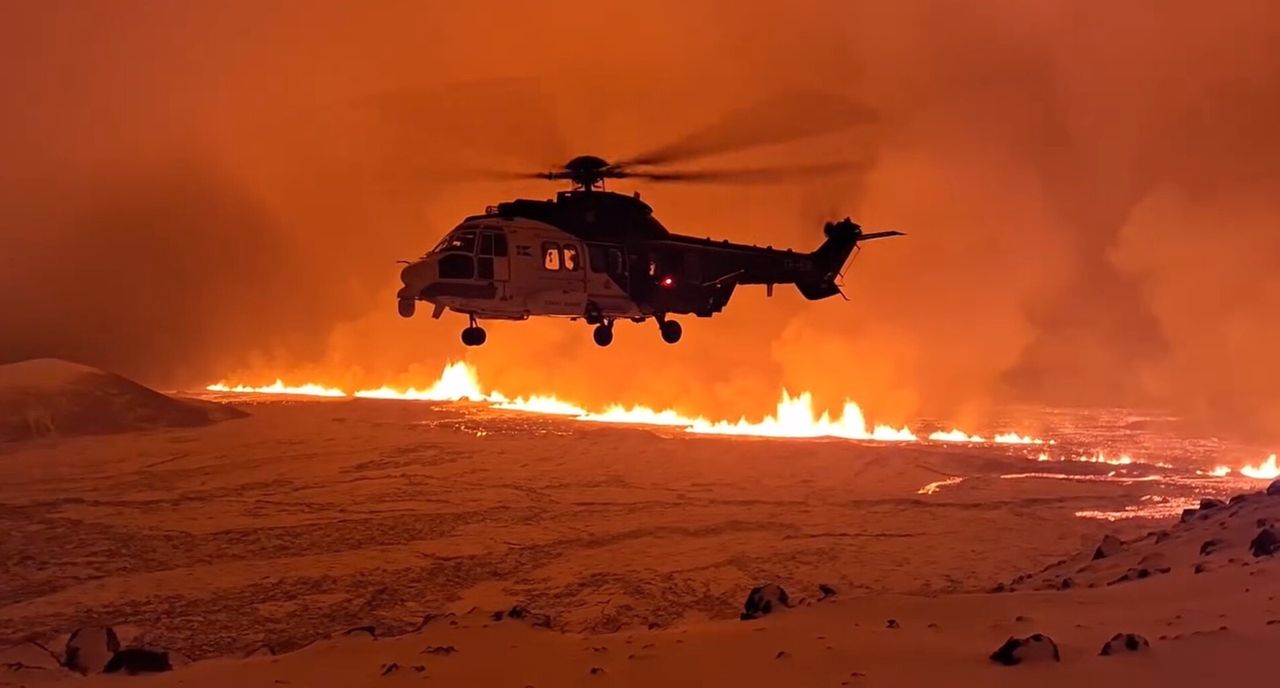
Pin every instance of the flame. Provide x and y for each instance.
(1015, 438)
(458, 381)
(279, 387)
(1217, 472)
(955, 435)
(641, 415)
(1267, 470)
(794, 416)
(542, 404)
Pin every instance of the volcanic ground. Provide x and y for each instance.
(313, 516)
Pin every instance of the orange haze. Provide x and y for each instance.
(198, 190)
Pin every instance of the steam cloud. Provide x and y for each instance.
(1091, 192)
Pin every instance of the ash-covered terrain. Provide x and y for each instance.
(310, 517)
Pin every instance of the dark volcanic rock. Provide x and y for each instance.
(1109, 547)
(1265, 544)
(1141, 573)
(1274, 488)
(138, 660)
(90, 648)
(825, 591)
(1211, 546)
(1188, 515)
(520, 613)
(1211, 503)
(764, 599)
(1036, 647)
(1125, 642)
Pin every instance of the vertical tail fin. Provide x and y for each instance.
(829, 258)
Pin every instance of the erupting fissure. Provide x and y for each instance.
(794, 417)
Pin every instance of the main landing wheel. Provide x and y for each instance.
(670, 330)
(474, 336)
(406, 307)
(603, 334)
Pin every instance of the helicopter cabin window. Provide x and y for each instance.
(569, 257)
(500, 244)
(550, 256)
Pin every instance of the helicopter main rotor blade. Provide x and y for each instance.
(756, 175)
(778, 119)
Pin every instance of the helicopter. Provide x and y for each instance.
(599, 256)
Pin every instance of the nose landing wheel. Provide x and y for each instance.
(474, 335)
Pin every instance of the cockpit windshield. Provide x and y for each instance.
(462, 242)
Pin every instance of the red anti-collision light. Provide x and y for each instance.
(667, 281)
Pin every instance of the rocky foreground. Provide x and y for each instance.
(1179, 606)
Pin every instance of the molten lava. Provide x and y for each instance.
(279, 387)
(458, 382)
(796, 418)
(793, 417)
(1267, 470)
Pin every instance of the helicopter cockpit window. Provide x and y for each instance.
(499, 245)
(460, 242)
(457, 266)
(486, 244)
(550, 256)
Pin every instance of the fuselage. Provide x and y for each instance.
(603, 256)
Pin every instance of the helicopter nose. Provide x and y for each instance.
(415, 276)
(417, 272)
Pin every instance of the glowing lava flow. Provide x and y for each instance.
(1100, 457)
(956, 435)
(1015, 438)
(457, 382)
(794, 417)
(279, 387)
(1267, 470)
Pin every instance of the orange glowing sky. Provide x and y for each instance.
(205, 190)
